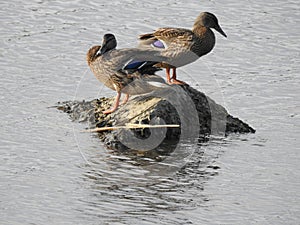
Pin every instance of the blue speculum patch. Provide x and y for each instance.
(158, 44)
(134, 64)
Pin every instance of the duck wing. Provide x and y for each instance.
(166, 36)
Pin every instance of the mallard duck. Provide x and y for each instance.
(118, 68)
(183, 46)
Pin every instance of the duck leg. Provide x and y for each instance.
(125, 99)
(174, 80)
(117, 103)
(168, 75)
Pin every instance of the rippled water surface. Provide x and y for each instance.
(51, 173)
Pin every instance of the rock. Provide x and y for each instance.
(198, 117)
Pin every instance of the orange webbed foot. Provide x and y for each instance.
(179, 82)
(125, 100)
(116, 105)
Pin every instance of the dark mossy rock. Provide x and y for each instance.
(198, 117)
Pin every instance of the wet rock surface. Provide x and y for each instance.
(182, 105)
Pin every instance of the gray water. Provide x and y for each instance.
(51, 173)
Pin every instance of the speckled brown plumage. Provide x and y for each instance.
(183, 46)
(107, 64)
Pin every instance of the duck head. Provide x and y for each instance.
(207, 19)
(109, 42)
(92, 54)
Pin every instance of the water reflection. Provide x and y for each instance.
(119, 187)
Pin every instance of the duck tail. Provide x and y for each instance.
(146, 41)
(146, 36)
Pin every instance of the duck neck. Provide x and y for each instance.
(200, 30)
(92, 54)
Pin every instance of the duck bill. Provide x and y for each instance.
(219, 29)
(102, 50)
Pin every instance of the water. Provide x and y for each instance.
(51, 173)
